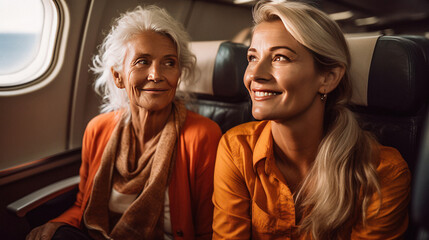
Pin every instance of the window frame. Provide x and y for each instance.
(31, 77)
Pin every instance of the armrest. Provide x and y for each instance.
(22, 206)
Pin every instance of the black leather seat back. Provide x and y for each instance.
(420, 199)
(420, 209)
(396, 95)
(219, 92)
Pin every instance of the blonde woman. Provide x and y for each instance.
(306, 171)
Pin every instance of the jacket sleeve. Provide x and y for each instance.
(73, 215)
(390, 219)
(204, 159)
(231, 198)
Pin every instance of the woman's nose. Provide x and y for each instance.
(154, 74)
(259, 70)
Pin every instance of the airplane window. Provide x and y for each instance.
(27, 35)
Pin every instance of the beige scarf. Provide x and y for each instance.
(149, 176)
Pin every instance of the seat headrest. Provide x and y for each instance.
(388, 74)
(219, 70)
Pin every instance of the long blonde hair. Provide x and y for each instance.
(343, 177)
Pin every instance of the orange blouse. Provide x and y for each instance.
(251, 201)
(191, 184)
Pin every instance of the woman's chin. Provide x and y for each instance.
(259, 115)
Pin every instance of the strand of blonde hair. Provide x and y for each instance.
(343, 176)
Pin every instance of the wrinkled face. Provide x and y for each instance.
(281, 76)
(150, 71)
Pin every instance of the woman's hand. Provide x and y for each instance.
(44, 232)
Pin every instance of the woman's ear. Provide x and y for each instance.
(331, 79)
(117, 78)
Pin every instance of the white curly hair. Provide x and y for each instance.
(112, 52)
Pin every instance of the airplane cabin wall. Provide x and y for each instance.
(34, 125)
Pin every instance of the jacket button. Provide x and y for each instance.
(179, 233)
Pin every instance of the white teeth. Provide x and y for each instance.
(263, 94)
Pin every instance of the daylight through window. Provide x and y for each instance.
(27, 37)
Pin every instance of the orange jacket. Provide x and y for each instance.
(191, 185)
(252, 200)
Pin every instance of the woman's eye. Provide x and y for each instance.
(251, 58)
(281, 58)
(170, 63)
(143, 61)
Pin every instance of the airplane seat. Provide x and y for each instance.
(420, 211)
(218, 92)
(390, 79)
(423, 43)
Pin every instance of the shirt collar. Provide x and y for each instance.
(264, 146)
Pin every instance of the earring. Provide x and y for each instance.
(323, 97)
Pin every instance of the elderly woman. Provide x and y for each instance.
(306, 171)
(147, 162)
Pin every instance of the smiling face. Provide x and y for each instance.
(281, 76)
(150, 71)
